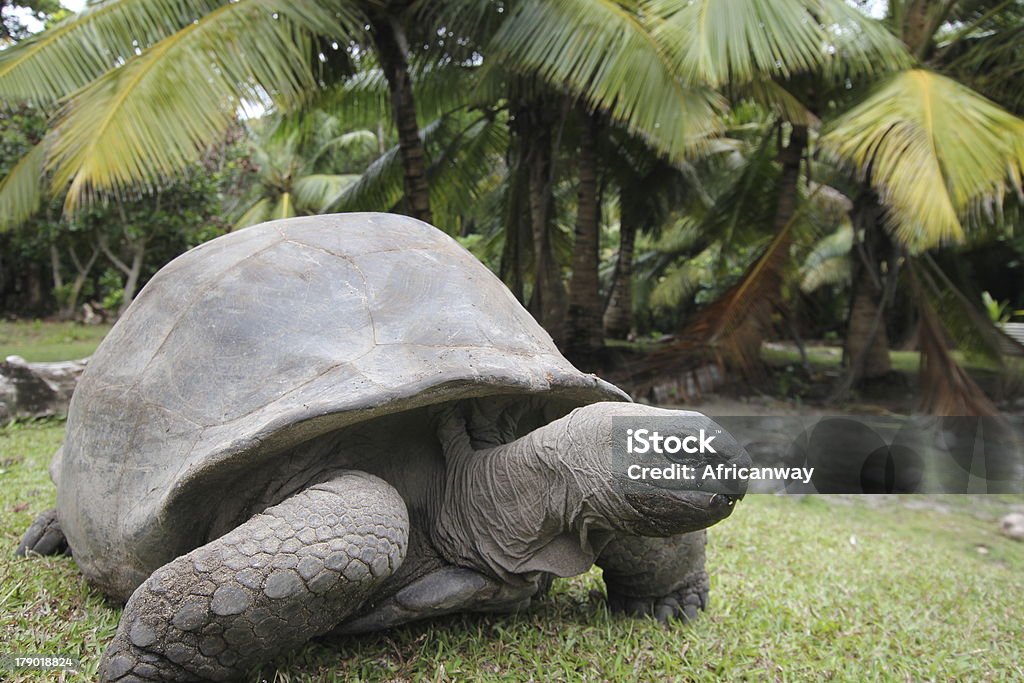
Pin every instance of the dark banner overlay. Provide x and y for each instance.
(821, 454)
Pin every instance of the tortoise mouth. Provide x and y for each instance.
(666, 512)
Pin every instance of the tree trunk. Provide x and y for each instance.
(34, 281)
(867, 345)
(131, 284)
(69, 304)
(392, 48)
(586, 333)
(547, 300)
(921, 19)
(58, 278)
(515, 254)
(618, 315)
(131, 272)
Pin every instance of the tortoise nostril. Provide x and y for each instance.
(728, 498)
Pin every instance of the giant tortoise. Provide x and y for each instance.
(342, 423)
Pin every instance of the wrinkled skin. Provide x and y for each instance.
(355, 552)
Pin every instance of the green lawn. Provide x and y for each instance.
(907, 362)
(857, 589)
(49, 341)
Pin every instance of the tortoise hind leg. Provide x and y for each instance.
(44, 537)
(284, 576)
(663, 578)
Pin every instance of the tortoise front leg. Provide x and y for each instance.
(269, 585)
(44, 537)
(663, 578)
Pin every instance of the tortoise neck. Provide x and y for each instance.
(521, 508)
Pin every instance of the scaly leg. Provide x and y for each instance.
(663, 578)
(286, 575)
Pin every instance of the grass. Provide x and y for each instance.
(907, 362)
(40, 341)
(850, 589)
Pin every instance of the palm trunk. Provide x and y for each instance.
(586, 334)
(921, 19)
(547, 300)
(867, 345)
(618, 314)
(515, 254)
(392, 48)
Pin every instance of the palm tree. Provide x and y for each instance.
(650, 64)
(932, 155)
(145, 87)
(297, 170)
(935, 158)
(649, 189)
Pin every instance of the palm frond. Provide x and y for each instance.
(471, 164)
(440, 89)
(67, 56)
(21, 190)
(946, 388)
(255, 214)
(380, 187)
(462, 150)
(151, 117)
(285, 207)
(357, 140)
(829, 260)
(680, 282)
(602, 51)
(991, 64)
(743, 210)
(727, 331)
(787, 106)
(933, 149)
(359, 101)
(721, 41)
(314, 193)
(758, 287)
(967, 325)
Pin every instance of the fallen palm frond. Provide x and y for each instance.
(946, 388)
(726, 333)
(729, 331)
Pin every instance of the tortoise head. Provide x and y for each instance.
(653, 472)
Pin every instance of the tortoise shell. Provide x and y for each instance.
(247, 346)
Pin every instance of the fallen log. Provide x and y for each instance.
(29, 390)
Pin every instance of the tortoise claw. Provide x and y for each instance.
(684, 604)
